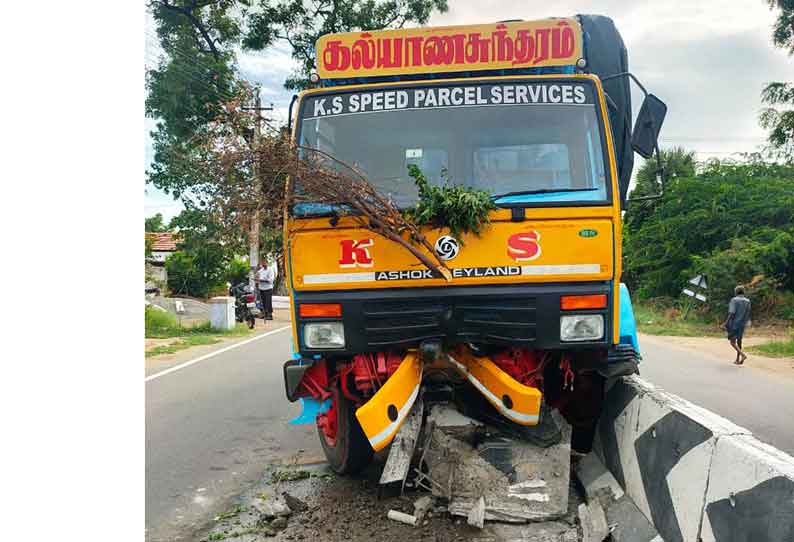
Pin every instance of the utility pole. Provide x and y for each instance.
(253, 232)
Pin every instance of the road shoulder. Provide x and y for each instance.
(719, 350)
(157, 364)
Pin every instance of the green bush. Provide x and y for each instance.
(159, 322)
(733, 223)
(193, 275)
(237, 271)
(782, 305)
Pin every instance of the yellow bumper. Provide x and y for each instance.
(516, 402)
(382, 416)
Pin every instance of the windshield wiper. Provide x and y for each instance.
(542, 191)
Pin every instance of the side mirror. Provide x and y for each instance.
(648, 124)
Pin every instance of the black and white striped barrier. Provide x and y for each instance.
(695, 476)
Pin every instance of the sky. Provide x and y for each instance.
(707, 59)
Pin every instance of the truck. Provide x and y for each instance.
(533, 317)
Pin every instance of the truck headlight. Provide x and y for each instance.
(581, 327)
(324, 335)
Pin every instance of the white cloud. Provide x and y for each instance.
(157, 201)
(708, 59)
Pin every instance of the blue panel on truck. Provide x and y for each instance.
(310, 408)
(628, 325)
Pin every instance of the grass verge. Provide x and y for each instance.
(164, 325)
(656, 320)
(774, 349)
(181, 344)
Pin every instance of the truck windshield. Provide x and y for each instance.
(519, 150)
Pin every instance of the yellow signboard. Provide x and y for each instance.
(523, 44)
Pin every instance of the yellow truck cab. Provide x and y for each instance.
(538, 114)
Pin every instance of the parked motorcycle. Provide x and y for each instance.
(245, 307)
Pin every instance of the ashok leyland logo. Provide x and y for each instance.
(447, 247)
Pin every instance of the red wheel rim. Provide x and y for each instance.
(328, 422)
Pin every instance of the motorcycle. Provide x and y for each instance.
(245, 307)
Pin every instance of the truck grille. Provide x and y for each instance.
(477, 319)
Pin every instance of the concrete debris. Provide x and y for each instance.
(593, 521)
(279, 523)
(628, 523)
(476, 517)
(398, 463)
(529, 490)
(519, 481)
(272, 507)
(598, 482)
(422, 507)
(454, 424)
(622, 519)
(402, 517)
(548, 531)
(294, 504)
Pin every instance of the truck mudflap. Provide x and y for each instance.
(515, 401)
(381, 417)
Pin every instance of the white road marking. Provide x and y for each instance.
(211, 354)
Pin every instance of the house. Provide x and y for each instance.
(163, 244)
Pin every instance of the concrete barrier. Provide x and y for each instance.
(280, 302)
(222, 313)
(673, 459)
(750, 496)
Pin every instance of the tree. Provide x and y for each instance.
(676, 162)
(186, 89)
(302, 23)
(205, 251)
(197, 97)
(778, 116)
(700, 217)
(155, 224)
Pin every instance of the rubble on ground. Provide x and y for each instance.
(466, 481)
(473, 465)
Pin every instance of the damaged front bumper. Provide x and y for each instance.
(382, 415)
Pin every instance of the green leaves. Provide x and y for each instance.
(301, 24)
(778, 117)
(730, 222)
(459, 208)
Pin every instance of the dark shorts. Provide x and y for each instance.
(735, 334)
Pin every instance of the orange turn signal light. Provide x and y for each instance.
(576, 302)
(320, 310)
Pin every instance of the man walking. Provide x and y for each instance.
(265, 277)
(738, 315)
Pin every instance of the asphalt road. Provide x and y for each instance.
(212, 428)
(216, 425)
(757, 399)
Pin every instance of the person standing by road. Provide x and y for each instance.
(738, 316)
(264, 278)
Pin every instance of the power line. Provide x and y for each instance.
(193, 78)
(701, 138)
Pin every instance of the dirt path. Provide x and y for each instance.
(720, 350)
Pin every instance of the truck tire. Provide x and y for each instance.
(348, 451)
